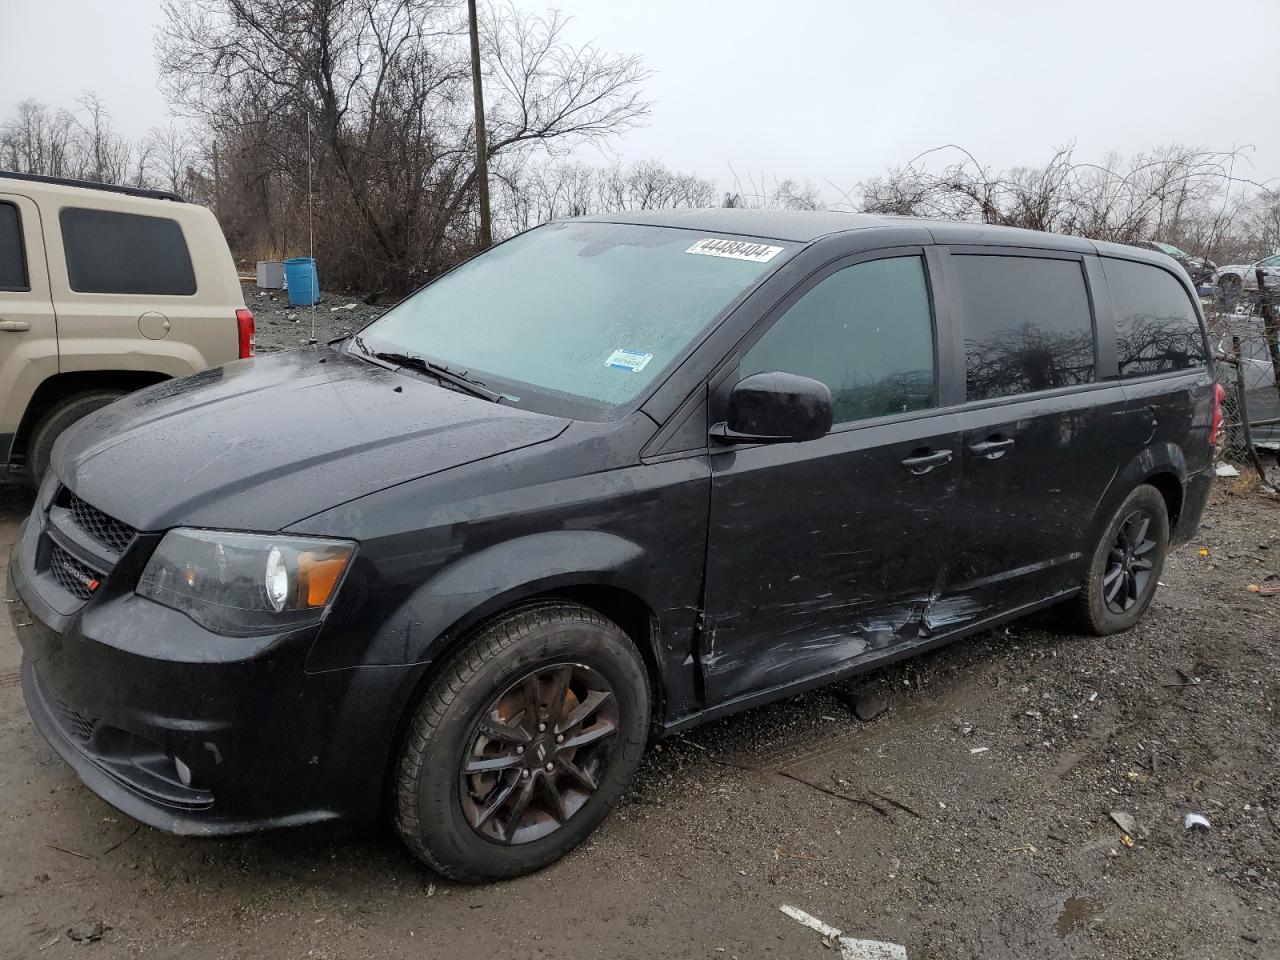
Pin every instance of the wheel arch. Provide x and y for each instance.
(1163, 466)
(53, 390)
(628, 610)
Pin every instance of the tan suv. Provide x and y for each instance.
(103, 290)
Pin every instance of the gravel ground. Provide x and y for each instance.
(282, 327)
(970, 818)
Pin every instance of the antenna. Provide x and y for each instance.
(311, 235)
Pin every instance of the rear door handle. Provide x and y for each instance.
(14, 326)
(927, 461)
(991, 449)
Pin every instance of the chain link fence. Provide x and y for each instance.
(1243, 338)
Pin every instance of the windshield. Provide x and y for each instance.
(577, 318)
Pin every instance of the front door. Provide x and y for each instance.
(826, 552)
(28, 331)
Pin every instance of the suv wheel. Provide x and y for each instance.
(55, 420)
(1126, 564)
(523, 744)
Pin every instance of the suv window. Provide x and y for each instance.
(13, 259)
(1157, 329)
(1028, 325)
(866, 332)
(109, 252)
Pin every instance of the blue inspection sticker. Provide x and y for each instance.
(632, 360)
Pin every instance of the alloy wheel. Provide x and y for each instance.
(1127, 576)
(538, 753)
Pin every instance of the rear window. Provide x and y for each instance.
(1028, 325)
(1157, 329)
(13, 260)
(109, 252)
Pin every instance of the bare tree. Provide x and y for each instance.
(171, 151)
(385, 85)
(1172, 192)
(37, 140)
(102, 155)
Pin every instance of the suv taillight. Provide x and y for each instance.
(244, 327)
(1219, 394)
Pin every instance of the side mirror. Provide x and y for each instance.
(776, 408)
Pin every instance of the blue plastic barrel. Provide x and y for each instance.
(303, 281)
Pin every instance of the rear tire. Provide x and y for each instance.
(541, 794)
(57, 419)
(1124, 569)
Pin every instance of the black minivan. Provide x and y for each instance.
(614, 477)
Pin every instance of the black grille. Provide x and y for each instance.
(98, 525)
(77, 579)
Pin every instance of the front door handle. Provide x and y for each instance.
(925, 462)
(14, 326)
(991, 449)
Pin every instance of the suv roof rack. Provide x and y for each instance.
(91, 185)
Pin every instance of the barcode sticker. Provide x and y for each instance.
(735, 250)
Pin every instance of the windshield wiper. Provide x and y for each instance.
(441, 373)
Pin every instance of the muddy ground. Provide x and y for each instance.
(969, 820)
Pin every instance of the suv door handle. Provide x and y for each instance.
(991, 449)
(925, 462)
(14, 326)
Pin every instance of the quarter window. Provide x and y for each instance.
(13, 260)
(109, 252)
(1028, 325)
(866, 332)
(1157, 329)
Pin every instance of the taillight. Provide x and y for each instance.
(244, 327)
(1219, 394)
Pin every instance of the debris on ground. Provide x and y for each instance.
(1226, 470)
(90, 931)
(851, 948)
(1125, 821)
(1193, 820)
(1266, 591)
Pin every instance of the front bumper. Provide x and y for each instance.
(122, 686)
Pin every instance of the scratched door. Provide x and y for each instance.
(829, 551)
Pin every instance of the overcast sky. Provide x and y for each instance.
(826, 90)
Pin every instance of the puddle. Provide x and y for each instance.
(1075, 911)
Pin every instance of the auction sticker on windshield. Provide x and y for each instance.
(735, 250)
(631, 360)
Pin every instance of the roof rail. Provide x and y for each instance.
(91, 185)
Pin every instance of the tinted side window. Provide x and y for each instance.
(1156, 326)
(13, 259)
(1028, 324)
(866, 332)
(110, 252)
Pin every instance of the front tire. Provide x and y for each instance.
(523, 744)
(1124, 569)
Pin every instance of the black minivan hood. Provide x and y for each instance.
(262, 443)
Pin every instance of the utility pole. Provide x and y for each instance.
(482, 146)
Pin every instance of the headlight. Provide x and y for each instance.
(240, 584)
